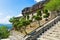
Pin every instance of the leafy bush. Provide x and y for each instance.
(4, 33)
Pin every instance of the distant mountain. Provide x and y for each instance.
(9, 26)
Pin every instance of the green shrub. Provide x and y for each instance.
(4, 33)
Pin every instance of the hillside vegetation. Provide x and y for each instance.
(53, 5)
(21, 23)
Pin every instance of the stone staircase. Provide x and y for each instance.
(52, 34)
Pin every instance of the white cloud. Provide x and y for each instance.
(19, 15)
(38, 0)
(5, 20)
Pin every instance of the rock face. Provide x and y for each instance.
(34, 7)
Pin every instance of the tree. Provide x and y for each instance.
(45, 11)
(24, 23)
(38, 19)
(19, 26)
(14, 22)
(46, 14)
(15, 25)
(39, 13)
(4, 33)
(38, 16)
(20, 23)
(30, 22)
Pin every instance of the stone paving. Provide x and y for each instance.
(16, 36)
(51, 34)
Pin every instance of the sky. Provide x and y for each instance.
(10, 8)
